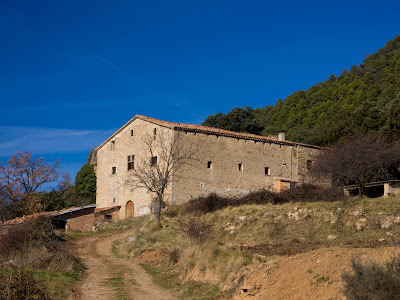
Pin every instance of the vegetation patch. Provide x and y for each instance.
(243, 236)
(117, 283)
(33, 252)
(169, 279)
(373, 280)
(302, 194)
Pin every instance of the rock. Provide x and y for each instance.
(361, 223)
(381, 239)
(331, 237)
(268, 213)
(232, 232)
(386, 224)
(241, 218)
(167, 219)
(230, 228)
(131, 239)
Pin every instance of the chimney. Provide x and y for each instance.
(281, 136)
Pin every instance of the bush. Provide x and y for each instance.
(18, 238)
(208, 204)
(311, 193)
(196, 228)
(302, 193)
(20, 284)
(174, 256)
(373, 281)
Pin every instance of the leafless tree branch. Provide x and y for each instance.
(172, 154)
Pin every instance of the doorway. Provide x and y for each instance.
(129, 210)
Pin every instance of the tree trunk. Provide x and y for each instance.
(158, 209)
(361, 189)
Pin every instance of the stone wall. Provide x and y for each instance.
(238, 166)
(83, 223)
(112, 188)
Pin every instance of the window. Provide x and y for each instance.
(309, 164)
(113, 170)
(153, 160)
(155, 133)
(209, 164)
(267, 171)
(240, 167)
(131, 162)
(112, 145)
(113, 200)
(131, 132)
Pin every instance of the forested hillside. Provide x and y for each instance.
(365, 98)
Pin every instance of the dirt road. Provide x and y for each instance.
(109, 277)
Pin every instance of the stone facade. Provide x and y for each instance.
(228, 163)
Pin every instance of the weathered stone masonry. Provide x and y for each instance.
(230, 163)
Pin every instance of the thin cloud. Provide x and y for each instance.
(108, 62)
(48, 140)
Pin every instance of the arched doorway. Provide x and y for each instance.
(129, 210)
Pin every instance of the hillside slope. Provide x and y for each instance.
(365, 98)
(289, 251)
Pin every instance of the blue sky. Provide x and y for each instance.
(72, 72)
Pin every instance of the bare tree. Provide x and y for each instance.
(167, 155)
(21, 178)
(358, 160)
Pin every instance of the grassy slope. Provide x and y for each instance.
(254, 234)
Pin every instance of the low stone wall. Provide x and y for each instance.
(83, 223)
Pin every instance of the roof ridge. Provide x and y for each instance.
(206, 129)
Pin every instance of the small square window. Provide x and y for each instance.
(153, 160)
(267, 171)
(309, 164)
(209, 164)
(113, 170)
(240, 167)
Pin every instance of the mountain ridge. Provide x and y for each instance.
(365, 99)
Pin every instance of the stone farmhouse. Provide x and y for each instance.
(231, 163)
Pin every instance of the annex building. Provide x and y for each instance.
(229, 162)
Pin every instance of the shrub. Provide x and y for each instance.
(37, 232)
(20, 284)
(302, 193)
(196, 228)
(174, 256)
(371, 280)
(311, 193)
(208, 204)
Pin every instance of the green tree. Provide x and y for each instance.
(364, 99)
(85, 181)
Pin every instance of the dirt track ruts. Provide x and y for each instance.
(109, 277)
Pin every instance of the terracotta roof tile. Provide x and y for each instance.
(218, 131)
(207, 130)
